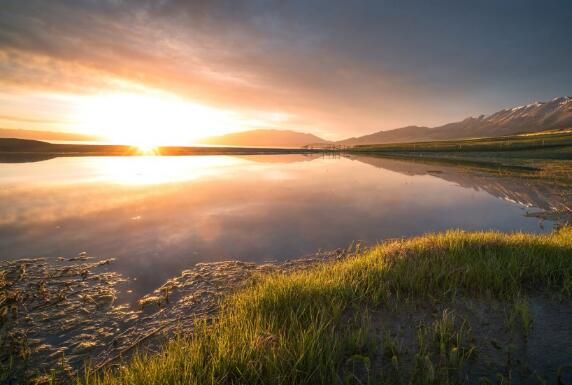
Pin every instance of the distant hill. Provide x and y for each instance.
(12, 144)
(540, 116)
(264, 138)
(45, 135)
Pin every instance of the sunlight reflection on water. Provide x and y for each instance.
(160, 169)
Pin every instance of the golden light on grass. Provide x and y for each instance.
(150, 119)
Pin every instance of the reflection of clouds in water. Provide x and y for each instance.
(25, 206)
(243, 213)
(116, 169)
(96, 184)
(150, 170)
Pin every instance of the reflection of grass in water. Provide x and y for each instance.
(473, 163)
(542, 183)
(298, 328)
(551, 177)
(521, 316)
(522, 167)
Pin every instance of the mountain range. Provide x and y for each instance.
(540, 116)
(536, 117)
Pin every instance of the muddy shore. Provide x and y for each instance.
(61, 313)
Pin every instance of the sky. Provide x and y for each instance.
(181, 70)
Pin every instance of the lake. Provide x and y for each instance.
(160, 215)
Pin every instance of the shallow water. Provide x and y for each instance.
(160, 215)
(60, 314)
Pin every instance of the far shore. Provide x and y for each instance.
(542, 155)
(12, 147)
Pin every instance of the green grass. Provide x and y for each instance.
(544, 155)
(545, 144)
(311, 327)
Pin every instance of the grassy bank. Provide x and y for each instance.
(552, 145)
(331, 324)
(541, 154)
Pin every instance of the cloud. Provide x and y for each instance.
(347, 67)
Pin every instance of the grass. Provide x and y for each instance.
(557, 143)
(313, 327)
(545, 155)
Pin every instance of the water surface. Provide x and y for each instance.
(160, 215)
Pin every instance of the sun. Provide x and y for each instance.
(147, 148)
(150, 119)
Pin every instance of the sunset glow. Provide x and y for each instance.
(150, 119)
(195, 69)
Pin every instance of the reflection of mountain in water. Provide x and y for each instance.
(531, 192)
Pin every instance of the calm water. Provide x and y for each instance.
(159, 215)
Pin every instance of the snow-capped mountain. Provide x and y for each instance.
(539, 116)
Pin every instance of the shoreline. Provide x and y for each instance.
(77, 298)
(23, 147)
(446, 308)
(443, 307)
